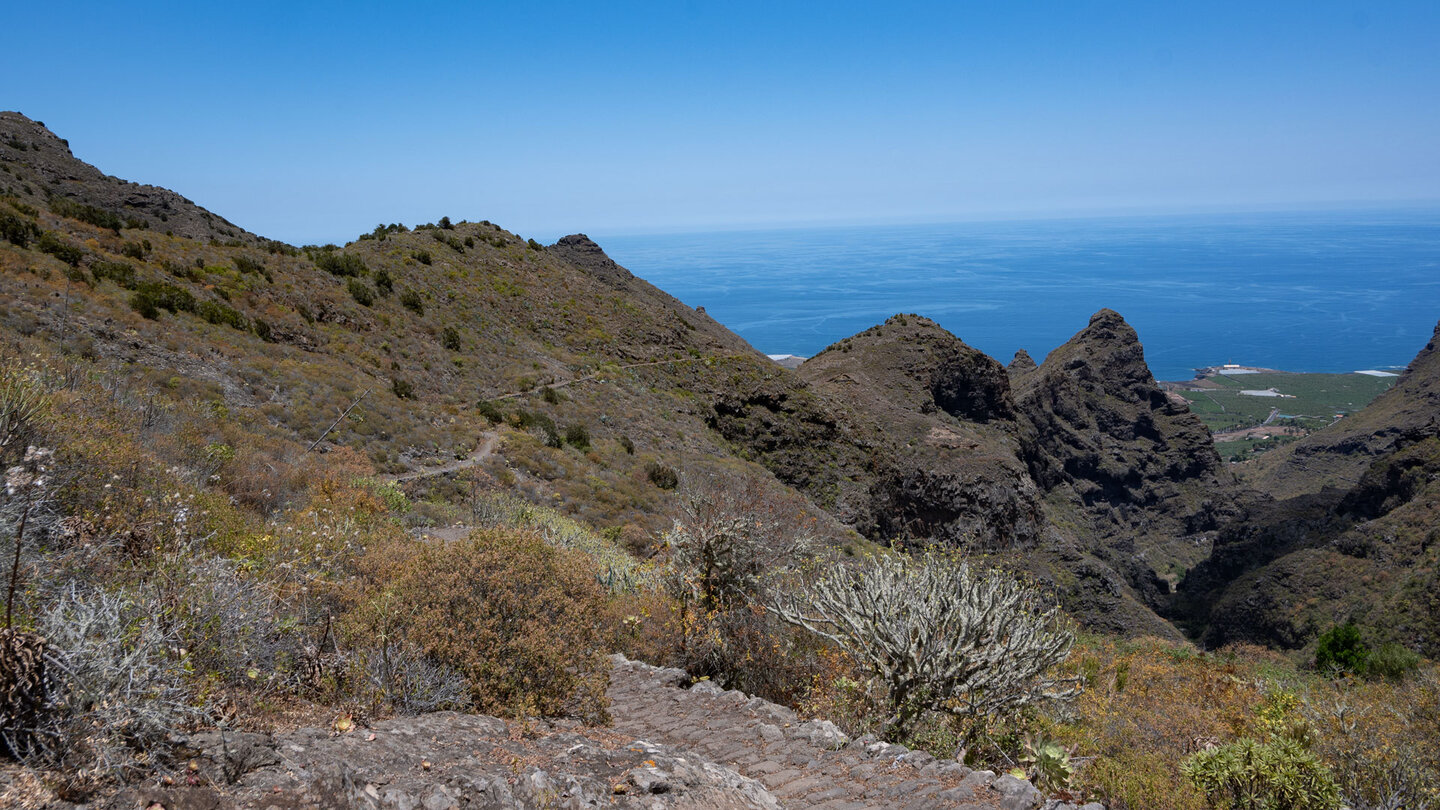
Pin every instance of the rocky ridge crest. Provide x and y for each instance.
(49, 165)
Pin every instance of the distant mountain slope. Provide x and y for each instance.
(40, 170)
(1338, 455)
(437, 331)
(1358, 542)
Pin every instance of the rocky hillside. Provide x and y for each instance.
(554, 372)
(1345, 530)
(39, 169)
(1132, 471)
(1338, 456)
(1101, 484)
(941, 417)
(443, 334)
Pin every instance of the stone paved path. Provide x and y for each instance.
(805, 765)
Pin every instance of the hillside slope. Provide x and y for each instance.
(1350, 533)
(444, 334)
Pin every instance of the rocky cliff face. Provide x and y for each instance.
(50, 172)
(942, 414)
(1344, 529)
(1136, 472)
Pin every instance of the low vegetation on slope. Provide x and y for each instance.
(251, 485)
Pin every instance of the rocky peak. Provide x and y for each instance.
(46, 171)
(582, 251)
(1021, 363)
(1095, 425)
(938, 417)
(920, 366)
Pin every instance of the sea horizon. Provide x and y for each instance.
(1326, 290)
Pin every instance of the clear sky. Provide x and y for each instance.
(312, 122)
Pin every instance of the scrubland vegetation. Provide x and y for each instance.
(177, 581)
(179, 556)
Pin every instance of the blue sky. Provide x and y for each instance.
(312, 122)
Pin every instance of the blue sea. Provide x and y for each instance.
(1314, 291)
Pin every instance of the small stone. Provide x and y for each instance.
(1018, 794)
(978, 779)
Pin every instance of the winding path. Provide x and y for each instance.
(488, 443)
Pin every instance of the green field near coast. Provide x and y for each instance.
(1293, 404)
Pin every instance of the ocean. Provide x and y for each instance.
(1314, 291)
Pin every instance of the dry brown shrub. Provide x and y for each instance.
(645, 626)
(1379, 737)
(521, 619)
(1147, 705)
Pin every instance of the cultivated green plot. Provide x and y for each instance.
(1309, 401)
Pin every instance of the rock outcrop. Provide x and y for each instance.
(581, 251)
(944, 418)
(1138, 470)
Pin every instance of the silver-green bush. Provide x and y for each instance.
(938, 636)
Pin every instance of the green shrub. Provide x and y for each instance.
(490, 411)
(145, 305)
(98, 217)
(361, 292)
(119, 272)
(513, 614)
(381, 232)
(628, 445)
(422, 256)
(383, 283)
(662, 476)
(1342, 650)
(412, 301)
(402, 388)
(245, 264)
(578, 436)
(57, 246)
(1391, 661)
(1250, 775)
(219, 314)
(28, 210)
(135, 250)
(152, 296)
(262, 330)
(16, 230)
(450, 339)
(182, 271)
(340, 264)
(533, 245)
